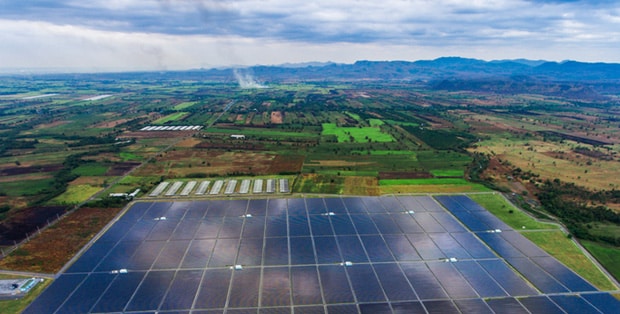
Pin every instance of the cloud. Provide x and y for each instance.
(159, 34)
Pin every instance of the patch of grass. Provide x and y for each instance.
(509, 214)
(25, 187)
(90, 170)
(430, 181)
(558, 245)
(126, 156)
(171, 117)
(76, 194)
(357, 135)
(17, 306)
(608, 256)
(318, 183)
(448, 173)
(184, 105)
(392, 152)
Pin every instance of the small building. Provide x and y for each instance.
(237, 137)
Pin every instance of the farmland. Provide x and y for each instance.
(353, 138)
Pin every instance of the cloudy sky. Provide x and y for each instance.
(111, 35)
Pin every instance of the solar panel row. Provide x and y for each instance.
(230, 187)
(334, 255)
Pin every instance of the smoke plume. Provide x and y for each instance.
(246, 80)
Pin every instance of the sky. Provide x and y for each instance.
(113, 35)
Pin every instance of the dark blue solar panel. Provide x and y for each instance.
(364, 224)
(198, 254)
(236, 208)
(315, 206)
(342, 225)
(506, 305)
(208, 228)
(305, 285)
(391, 204)
(335, 205)
(428, 203)
(409, 203)
(373, 205)
(506, 278)
(176, 210)
(440, 306)
(250, 252)
(573, 304)
(500, 245)
(216, 210)
(408, 308)
(424, 283)
(470, 221)
(401, 248)
(449, 223)
(451, 204)
(604, 302)
(564, 275)
(523, 244)
(542, 280)
(185, 230)
(257, 207)
(375, 308)
(276, 251)
(385, 224)
(171, 255)
(182, 290)
(245, 283)
(394, 282)
(302, 251)
(214, 288)
(407, 223)
(298, 226)
(89, 260)
(224, 253)
(317, 309)
(139, 230)
(425, 246)
(151, 291)
(136, 211)
(119, 292)
(118, 257)
(196, 210)
(474, 246)
(335, 284)
(490, 220)
(327, 250)
(473, 306)
(320, 225)
(455, 285)
(467, 203)
(231, 227)
(55, 294)
(254, 227)
(296, 207)
(276, 226)
(145, 255)
(428, 222)
(540, 304)
(377, 249)
(352, 249)
(276, 207)
(162, 230)
(365, 284)
(355, 205)
(158, 209)
(479, 279)
(449, 245)
(87, 294)
(276, 287)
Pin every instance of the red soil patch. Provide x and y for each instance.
(276, 117)
(383, 175)
(14, 171)
(286, 164)
(26, 221)
(121, 168)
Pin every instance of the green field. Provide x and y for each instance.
(25, 187)
(606, 255)
(171, 117)
(184, 105)
(76, 194)
(429, 181)
(448, 173)
(356, 135)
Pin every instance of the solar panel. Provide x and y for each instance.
(312, 255)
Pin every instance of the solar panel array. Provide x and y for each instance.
(316, 255)
(229, 186)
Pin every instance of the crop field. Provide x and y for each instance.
(76, 194)
(171, 117)
(356, 135)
